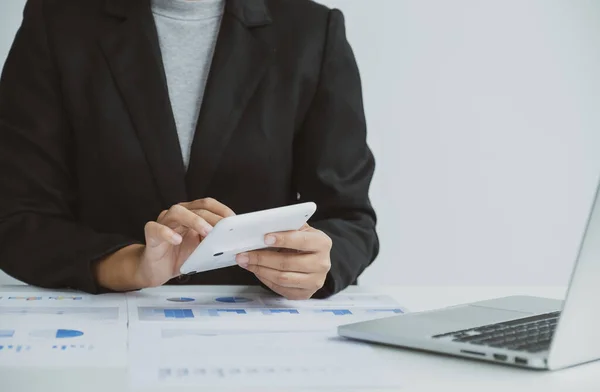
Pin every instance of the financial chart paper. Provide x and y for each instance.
(253, 340)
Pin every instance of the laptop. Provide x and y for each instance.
(529, 332)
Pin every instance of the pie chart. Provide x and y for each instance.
(181, 299)
(56, 334)
(233, 300)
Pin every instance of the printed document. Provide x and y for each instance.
(252, 340)
(48, 329)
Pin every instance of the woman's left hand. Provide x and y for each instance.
(296, 264)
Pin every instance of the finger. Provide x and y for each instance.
(289, 293)
(307, 240)
(157, 234)
(162, 215)
(287, 279)
(284, 261)
(208, 216)
(211, 205)
(179, 215)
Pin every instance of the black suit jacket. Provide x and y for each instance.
(89, 150)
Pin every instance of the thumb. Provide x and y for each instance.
(157, 234)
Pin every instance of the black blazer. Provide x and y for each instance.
(89, 150)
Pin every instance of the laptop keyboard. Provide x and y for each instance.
(531, 334)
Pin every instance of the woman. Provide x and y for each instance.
(128, 129)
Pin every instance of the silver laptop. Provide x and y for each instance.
(530, 332)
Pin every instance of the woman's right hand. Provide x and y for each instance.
(170, 240)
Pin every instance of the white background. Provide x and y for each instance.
(484, 117)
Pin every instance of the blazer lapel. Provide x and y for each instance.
(133, 54)
(239, 63)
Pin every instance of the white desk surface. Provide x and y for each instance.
(421, 371)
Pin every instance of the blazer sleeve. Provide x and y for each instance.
(333, 164)
(41, 241)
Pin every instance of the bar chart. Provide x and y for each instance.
(178, 313)
(201, 312)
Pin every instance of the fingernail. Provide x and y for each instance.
(177, 239)
(270, 240)
(243, 260)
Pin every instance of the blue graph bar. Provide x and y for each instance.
(1, 347)
(337, 312)
(19, 348)
(215, 312)
(179, 313)
(67, 333)
(233, 300)
(281, 311)
(7, 333)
